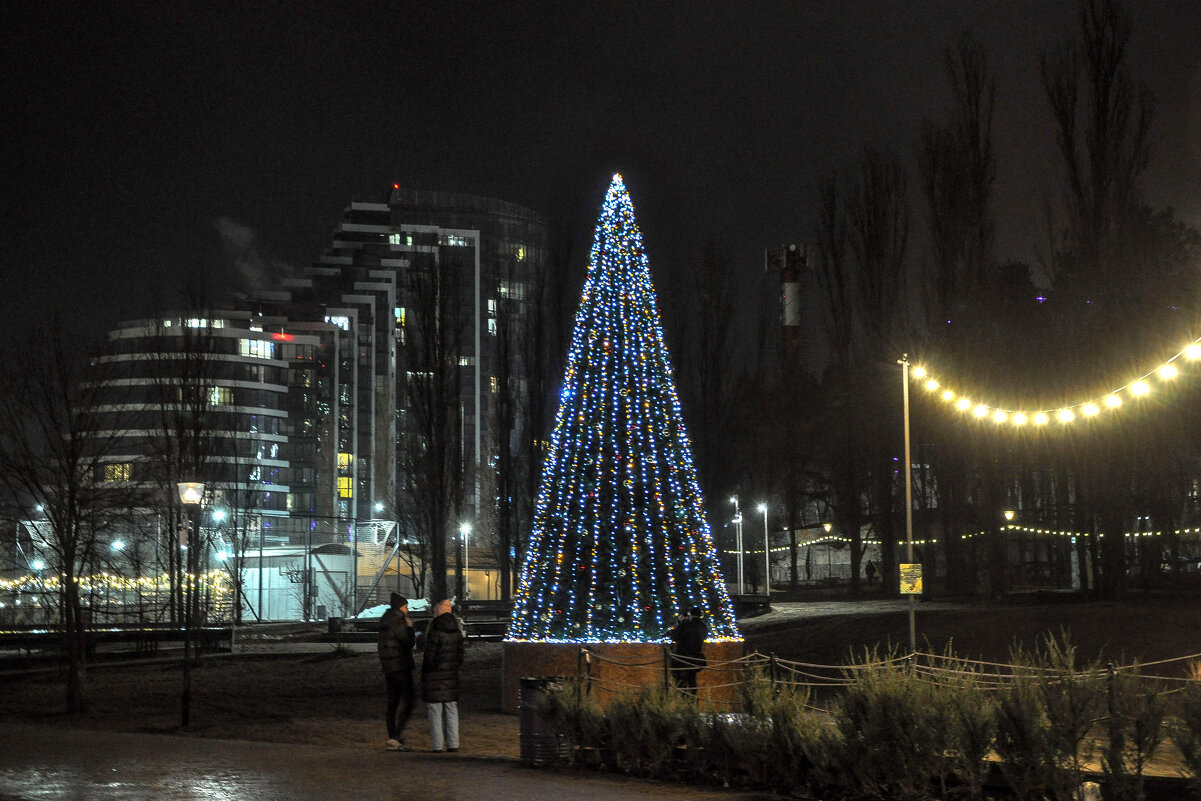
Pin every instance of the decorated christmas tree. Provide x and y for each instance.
(620, 546)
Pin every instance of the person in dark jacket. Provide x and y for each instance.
(440, 677)
(396, 658)
(688, 648)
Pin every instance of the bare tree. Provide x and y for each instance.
(862, 236)
(957, 173)
(179, 376)
(55, 442)
(531, 342)
(1102, 125)
(432, 459)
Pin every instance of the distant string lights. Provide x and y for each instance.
(1137, 389)
(839, 542)
(215, 582)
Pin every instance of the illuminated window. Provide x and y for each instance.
(258, 348)
(118, 471)
(521, 253)
(341, 321)
(399, 311)
(221, 396)
(345, 460)
(345, 487)
(495, 383)
(393, 239)
(512, 289)
(466, 361)
(200, 322)
(492, 326)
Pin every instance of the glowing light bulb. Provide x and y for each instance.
(1019, 419)
(1065, 415)
(919, 372)
(999, 416)
(1113, 401)
(931, 385)
(1090, 409)
(963, 403)
(1168, 371)
(1193, 351)
(981, 411)
(1040, 419)
(1140, 388)
(948, 395)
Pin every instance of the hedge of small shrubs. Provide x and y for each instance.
(900, 731)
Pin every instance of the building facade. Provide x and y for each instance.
(308, 410)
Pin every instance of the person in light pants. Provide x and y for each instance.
(440, 677)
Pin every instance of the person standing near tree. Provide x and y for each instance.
(688, 648)
(440, 676)
(396, 658)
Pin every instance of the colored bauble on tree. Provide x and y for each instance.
(620, 545)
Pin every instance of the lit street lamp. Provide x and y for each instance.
(766, 554)
(191, 493)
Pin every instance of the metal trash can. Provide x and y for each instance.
(540, 744)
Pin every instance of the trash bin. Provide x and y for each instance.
(540, 744)
(335, 625)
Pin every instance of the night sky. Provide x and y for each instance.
(149, 143)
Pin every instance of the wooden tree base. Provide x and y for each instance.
(619, 668)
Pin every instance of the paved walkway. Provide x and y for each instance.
(43, 763)
(40, 764)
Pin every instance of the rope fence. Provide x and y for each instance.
(822, 680)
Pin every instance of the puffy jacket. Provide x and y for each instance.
(688, 637)
(443, 656)
(395, 642)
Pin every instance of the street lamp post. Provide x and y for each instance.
(766, 554)
(191, 493)
(908, 500)
(465, 533)
(738, 530)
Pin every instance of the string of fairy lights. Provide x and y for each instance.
(215, 582)
(620, 546)
(1134, 390)
(839, 541)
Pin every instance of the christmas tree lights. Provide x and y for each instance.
(620, 546)
(1113, 400)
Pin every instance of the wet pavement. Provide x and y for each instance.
(40, 763)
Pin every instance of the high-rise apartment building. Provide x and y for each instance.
(312, 404)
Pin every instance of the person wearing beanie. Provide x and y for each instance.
(396, 639)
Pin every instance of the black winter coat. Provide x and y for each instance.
(688, 637)
(443, 656)
(396, 638)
